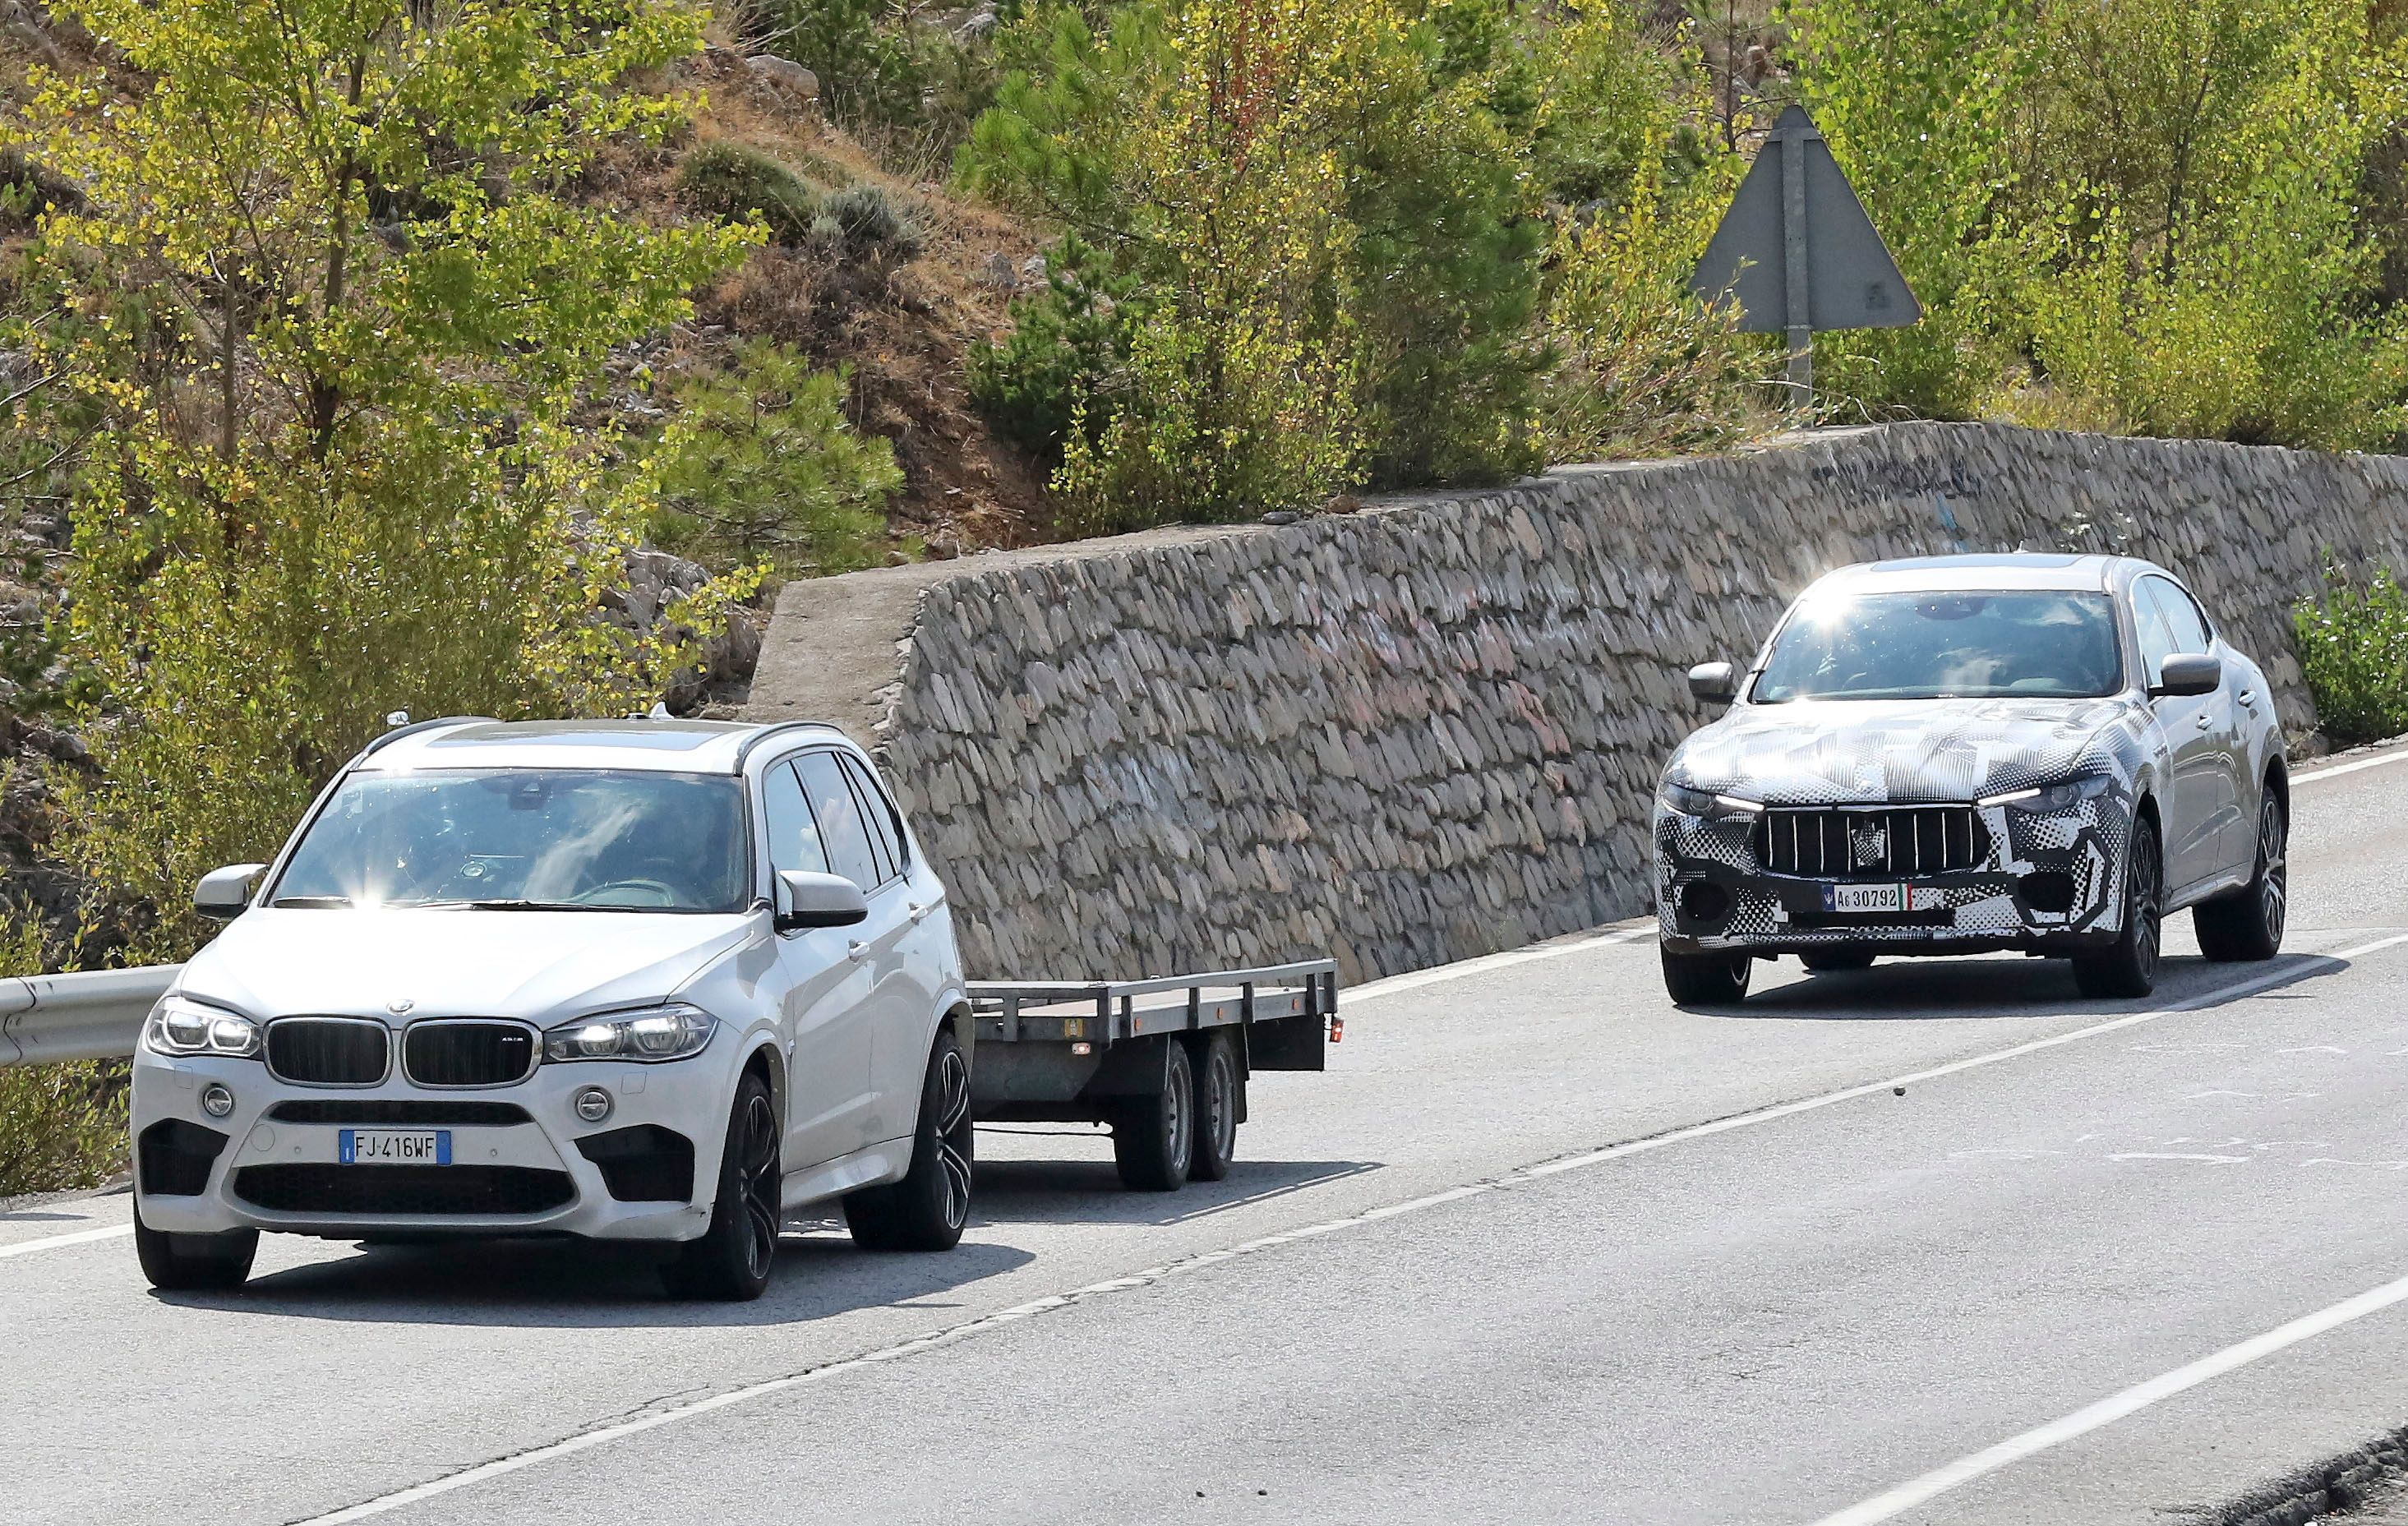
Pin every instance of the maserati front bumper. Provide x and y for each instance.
(1797, 877)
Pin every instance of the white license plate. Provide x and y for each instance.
(395, 1146)
(1865, 898)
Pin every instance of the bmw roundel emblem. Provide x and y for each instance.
(399, 1007)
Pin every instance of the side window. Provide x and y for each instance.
(794, 832)
(2183, 618)
(883, 820)
(842, 831)
(2157, 641)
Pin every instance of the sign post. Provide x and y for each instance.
(1797, 253)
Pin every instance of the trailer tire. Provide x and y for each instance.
(1153, 1137)
(1215, 1110)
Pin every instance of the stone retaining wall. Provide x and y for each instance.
(1431, 729)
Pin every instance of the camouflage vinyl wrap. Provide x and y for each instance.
(1860, 756)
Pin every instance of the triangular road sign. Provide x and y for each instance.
(1851, 281)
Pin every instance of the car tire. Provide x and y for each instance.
(1706, 979)
(1215, 1109)
(731, 1262)
(191, 1263)
(2247, 925)
(1831, 961)
(2128, 966)
(927, 1209)
(1153, 1138)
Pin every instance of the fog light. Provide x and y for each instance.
(593, 1104)
(216, 1100)
(2049, 891)
(1705, 904)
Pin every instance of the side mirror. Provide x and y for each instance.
(226, 894)
(2188, 672)
(810, 900)
(1713, 682)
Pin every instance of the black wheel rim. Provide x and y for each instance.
(758, 1160)
(2144, 905)
(2273, 879)
(953, 1137)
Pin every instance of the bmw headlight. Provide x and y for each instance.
(2062, 796)
(1691, 801)
(647, 1034)
(181, 1026)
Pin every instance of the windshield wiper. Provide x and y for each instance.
(521, 905)
(311, 901)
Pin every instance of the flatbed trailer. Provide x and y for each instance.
(1164, 1063)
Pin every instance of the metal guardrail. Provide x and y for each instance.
(87, 1015)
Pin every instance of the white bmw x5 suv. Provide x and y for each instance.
(654, 980)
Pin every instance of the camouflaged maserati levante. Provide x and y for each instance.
(1970, 753)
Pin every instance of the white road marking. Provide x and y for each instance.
(53, 1242)
(2176, 1155)
(2337, 770)
(1415, 980)
(2108, 1411)
(602, 1435)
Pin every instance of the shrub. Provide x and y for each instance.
(759, 467)
(872, 224)
(61, 1126)
(1067, 355)
(2353, 647)
(730, 180)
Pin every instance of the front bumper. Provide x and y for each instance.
(520, 1177)
(2047, 883)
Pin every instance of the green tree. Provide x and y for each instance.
(759, 469)
(332, 310)
(2199, 163)
(1917, 102)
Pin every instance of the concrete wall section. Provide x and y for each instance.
(1431, 729)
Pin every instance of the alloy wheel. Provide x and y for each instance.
(758, 1163)
(954, 1136)
(2142, 905)
(2273, 879)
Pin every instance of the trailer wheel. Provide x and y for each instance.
(1216, 1111)
(1153, 1137)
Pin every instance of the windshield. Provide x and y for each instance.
(1951, 645)
(526, 838)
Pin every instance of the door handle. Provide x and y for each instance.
(2249, 697)
(919, 912)
(857, 950)
(2205, 720)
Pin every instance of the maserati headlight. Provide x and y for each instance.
(647, 1034)
(181, 1026)
(1690, 801)
(2062, 796)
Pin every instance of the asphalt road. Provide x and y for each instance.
(1537, 1247)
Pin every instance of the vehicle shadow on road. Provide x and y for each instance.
(1909, 990)
(573, 1285)
(1090, 1191)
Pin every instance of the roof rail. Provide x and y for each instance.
(396, 734)
(767, 732)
